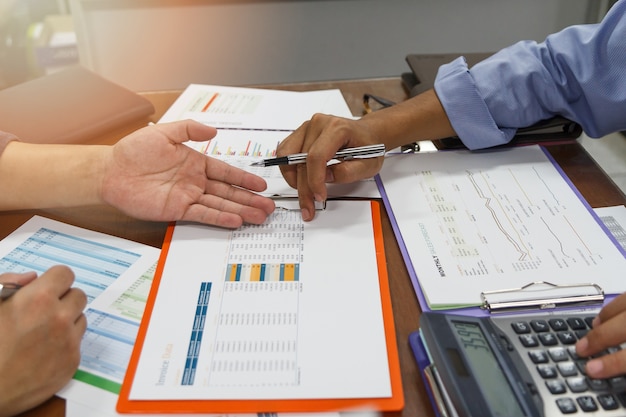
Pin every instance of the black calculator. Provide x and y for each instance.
(515, 365)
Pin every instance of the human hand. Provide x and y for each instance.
(19, 279)
(609, 330)
(321, 137)
(41, 327)
(152, 175)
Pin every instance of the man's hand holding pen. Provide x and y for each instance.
(321, 138)
(43, 324)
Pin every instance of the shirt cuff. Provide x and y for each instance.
(466, 109)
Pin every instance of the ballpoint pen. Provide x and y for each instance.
(8, 289)
(361, 152)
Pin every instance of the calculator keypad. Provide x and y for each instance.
(549, 346)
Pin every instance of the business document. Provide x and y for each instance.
(251, 122)
(282, 311)
(473, 222)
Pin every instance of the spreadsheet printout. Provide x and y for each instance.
(115, 274)
(283, 310)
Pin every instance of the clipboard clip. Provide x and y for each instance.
(548, 303)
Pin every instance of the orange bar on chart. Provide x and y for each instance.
(255, 272)
(211, 100)
(233, 273)
(289, 273)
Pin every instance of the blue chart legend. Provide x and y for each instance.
(195, 341)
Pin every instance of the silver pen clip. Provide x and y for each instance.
(362, 152)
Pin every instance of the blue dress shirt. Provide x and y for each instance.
(578, 73)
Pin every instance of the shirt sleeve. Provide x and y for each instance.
(578, 73)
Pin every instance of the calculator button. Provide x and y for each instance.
(587, 403)
(567, 369)
(556, 386)
(598, 384)
(538, 356)
(589, 321)
(577, 384)
(548, 339)
(581, 364)
(547, 371)
(576, 323)
(581, 333)
(558, 354)
(608, 401)
(567, 338)
(566, 405)
(520, 327)
(621, 396)
(618, 383)
(572, 352)
(539, 326)
(558, 324)
(528, 340)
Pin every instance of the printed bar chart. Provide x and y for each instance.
(262, 272)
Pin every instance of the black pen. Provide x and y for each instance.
(8, 289)
(361, 152)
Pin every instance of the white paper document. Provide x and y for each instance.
(99, 261)
(116, 275)
(470, 222)
(227, 107)
(251, 122)
(283, 310)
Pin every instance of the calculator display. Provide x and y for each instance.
(485, 369)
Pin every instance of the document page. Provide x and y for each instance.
(285, 310)
(494, 220)
(115, 274)
(227, 107)
(251, 122)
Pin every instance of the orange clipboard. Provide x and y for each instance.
(393, 403)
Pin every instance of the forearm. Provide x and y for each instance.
(39, 176)
(419, 118)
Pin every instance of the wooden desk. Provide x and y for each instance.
(591, 181)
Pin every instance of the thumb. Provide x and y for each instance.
(184, 130)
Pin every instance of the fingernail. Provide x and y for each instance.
(318, 198)
(596, 321)
(594, 367)
(330, 177)
(306, 214)
(582, 344)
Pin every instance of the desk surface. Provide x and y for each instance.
(590, 180)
